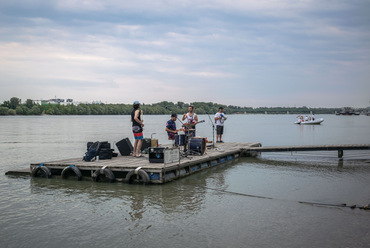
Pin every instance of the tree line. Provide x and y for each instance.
(14, 106)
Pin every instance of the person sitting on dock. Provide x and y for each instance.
(171, 127)
(220, 119)
(191, 120)
(137, 129)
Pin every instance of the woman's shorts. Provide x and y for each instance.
(138, 132)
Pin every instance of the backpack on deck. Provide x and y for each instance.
(92, 152)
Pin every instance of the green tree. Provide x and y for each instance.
(29, 103)
(35, 110)
(14, 102)
(12, 112)
(4, 110)
(49, 110)
(22, 110)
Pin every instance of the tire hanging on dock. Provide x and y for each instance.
(103, 171)
(41, 171)
(141, 173)
(73, 168)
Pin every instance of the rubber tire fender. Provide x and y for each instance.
(107, 172)
(142, 173)
(74, 169)
(44, 169)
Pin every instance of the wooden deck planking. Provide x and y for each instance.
(128, 163)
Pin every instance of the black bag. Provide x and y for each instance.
(103, 144)
(105, 153)
(92, 152)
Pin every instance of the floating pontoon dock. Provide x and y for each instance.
(131, 169)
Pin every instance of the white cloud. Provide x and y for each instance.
(252, 52)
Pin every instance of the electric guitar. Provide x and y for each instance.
(188, 125)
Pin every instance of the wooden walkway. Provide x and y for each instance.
(339, 148)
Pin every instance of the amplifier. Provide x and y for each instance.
(156, 155)
(124, 147)
(163, 155)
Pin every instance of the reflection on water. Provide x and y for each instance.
(196, 211)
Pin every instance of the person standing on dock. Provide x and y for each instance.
(171, 127)
(137, 129)
(191, 119)
(220, 119)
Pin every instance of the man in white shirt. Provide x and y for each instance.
(220, 119)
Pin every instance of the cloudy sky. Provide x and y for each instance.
(253, 53)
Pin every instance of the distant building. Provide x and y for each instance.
(54, 101)
(59, 101)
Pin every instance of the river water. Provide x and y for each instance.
(252, 202)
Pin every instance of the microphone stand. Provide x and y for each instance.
(213, 130)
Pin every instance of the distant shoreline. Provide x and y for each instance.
(15, 107)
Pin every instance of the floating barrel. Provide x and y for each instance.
(103, 171)
(137, 175)
(41, 171)
(74, 169)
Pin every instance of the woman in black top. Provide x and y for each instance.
(137, 129)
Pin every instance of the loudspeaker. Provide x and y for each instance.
(124, 147)
(156, 155)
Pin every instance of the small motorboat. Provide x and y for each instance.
(309, 121)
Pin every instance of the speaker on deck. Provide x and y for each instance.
(124, 147)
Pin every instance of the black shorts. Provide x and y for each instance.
(220, 129)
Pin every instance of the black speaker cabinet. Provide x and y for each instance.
(124, 147)
(156, 155)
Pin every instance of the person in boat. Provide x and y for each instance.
(190, 120)
(171, 127)
(313, 117)
(137, 129)
(220, 119)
